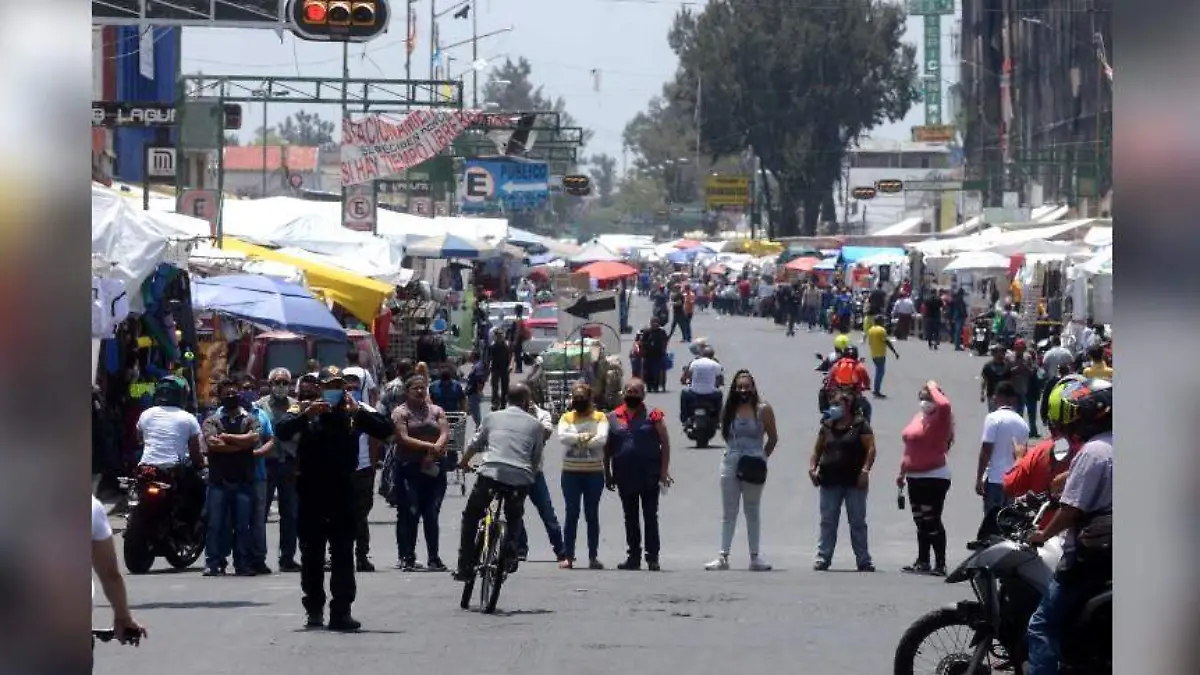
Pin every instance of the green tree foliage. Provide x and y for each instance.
(306, 129)
(663, 137)
(604, 177)
(796, 80)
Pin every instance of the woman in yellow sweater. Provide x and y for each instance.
(583, 431)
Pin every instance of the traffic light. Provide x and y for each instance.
(577, 186)
(889, 186)
(339, 20)
(863, 193)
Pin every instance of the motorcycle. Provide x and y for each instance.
(1009, 579)
(981, 335)
(702, 424)
(160, 522)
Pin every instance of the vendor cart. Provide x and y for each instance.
(456, 447)
(562, 365)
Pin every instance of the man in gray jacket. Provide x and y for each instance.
(511, 441)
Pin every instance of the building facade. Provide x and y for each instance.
(871, 160)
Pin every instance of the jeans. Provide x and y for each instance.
(832, 498)
(927, 498)
(792, 317)
(1061, 602)
(281, 480)
(473, 408)
(230, 508)
(258, 525)
(364, 499)
(994, 499)
(684, 321)
(1033, 399)
(476, 506)
(736, 493)
(499, 387)
(644, 500)
(880, 370)
(417, 496)
(958, 332)
(518, 358)
(539, 496)
(588, 487)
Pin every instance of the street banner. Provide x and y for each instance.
(374, 148)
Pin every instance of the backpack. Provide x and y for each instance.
(844, 373)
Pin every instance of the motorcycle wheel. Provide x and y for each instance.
(136, 549)
(702, 440)
(909, 652)
(187, 549)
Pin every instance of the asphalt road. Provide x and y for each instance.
(683, 619)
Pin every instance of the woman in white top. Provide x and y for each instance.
(583, 431)
(108, 570)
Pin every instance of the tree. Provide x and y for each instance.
(639, 195)
(663, 140)
(305, 129)
(273, 137)
(797, 81)
(232, 140)
(604, 177)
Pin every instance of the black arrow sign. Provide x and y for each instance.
(587, 305)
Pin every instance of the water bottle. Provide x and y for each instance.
(900, 498)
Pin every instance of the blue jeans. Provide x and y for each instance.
(588, 487)
(473, 409)
(258, 525)
(1060, 603)
(230, 508)
(281, 482)
(880, 369)
(539, 496)
(419, 497)
(958, 331)
(832, 498)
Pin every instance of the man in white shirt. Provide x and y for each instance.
(1003, 431)
(168, 433)
(108, 570)
(364, 482)
(703, 378)
(370, 391)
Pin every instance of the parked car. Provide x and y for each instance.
(276, 349)
(543, 329)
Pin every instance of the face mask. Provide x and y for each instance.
(333, 397)
(633, 401)
(928, 407)
(579, 403)
(232, 402)
(279, 391)
(835, 412)
(308, 395)
(247, 399)
(357, 394)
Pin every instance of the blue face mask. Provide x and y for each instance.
(357, 394)
(835, 412)
(333, 397)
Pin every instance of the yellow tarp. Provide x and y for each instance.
(361, 296)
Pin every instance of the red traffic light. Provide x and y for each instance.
(314, 12)
(338, 20)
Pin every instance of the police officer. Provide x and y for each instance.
(328, 420)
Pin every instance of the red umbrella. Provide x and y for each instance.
(688, 243)
(605, 270)
(805, 264)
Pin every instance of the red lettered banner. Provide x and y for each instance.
(374, 148)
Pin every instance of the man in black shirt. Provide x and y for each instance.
(654, 351)
(328, 423)
(231, 434)
(994, 372)
(431, 348)
(499, 361)
(516, 338)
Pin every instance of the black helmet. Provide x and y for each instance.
(1085, 408)
(171, 390)
(851, 352)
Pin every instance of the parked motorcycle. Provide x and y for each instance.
(161, 522)
(981, 335)
(1009, 579)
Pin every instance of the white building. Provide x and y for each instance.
(874, 160)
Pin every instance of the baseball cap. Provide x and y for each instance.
(330, 374)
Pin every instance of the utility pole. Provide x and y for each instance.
(264, 145)
(474, 54)
(433, 37)
(699, 125)
(409, 24)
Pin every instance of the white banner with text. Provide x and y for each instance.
(374, 148)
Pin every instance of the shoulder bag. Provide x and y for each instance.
(752, 469)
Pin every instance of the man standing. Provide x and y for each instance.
(517, 339)
(875, 304)
(993, 373)
(539, 495)
(499, 361)
(364, 483)
(1003, 431)
(654, 353)
(1023, 375)
(370, 390)
(281, 466)
(327, 456)
(231, 434)
(637, 462)
(476, 380)
(878, 343)
(903, 310)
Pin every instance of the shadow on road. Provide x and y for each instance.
(202, 604)
(522, 612)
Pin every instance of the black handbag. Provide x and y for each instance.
(752, 470)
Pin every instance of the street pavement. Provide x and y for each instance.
(684, 619)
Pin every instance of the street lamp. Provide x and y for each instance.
(265, 96)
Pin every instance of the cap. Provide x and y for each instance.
(330, 374)
(308, 377)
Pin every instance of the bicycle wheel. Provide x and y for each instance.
(497, 568)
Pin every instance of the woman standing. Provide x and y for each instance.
(422, 433)
(583, 431)
(927, 440)
(748, 427)
(841, 466)
(637, 461)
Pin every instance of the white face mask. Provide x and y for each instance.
(928, 407)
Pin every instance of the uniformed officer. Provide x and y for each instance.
(328, 420)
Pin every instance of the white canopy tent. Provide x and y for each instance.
(1039, 247)
(492, 231)
(595, 252)
(974, 261)
(905, 226)
(880, 259)
(1099, 236)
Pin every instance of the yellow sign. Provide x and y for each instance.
(934, 133)
(726, 191)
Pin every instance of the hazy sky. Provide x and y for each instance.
(564, 41)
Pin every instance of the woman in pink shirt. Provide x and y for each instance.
(927, 440)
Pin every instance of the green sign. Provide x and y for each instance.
(930, 7)
(933, 69)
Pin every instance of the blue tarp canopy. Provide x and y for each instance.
(524, 238)
(852, 254)
(544, 259)
(267, 301)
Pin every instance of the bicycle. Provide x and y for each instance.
(492, 568)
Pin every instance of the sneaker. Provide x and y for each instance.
(245, 572)
(919, 567)
(595, 564)
(720, 563)
(566, 564)
(938, 570)
(866, 567)
(820, 565)
(363, 564)
(757, 564)
(435, 565)
(213, 572)
(630, 564)
(653, 566)
(513, 565)
(344, 623)
(406, 565)
(288, 566)
(263, 569)
(462, 575)
(315, 620)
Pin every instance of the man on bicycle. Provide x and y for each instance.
(511, 441)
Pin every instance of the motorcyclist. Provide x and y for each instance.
(170, 440)
(840, 344)
(1042, 468)
(1084, 412)
(847, 374)
(703, 379)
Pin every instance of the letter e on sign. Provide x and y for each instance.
(479, 184)
(200, 204)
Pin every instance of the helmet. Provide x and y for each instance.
(850, 352)
(171, 390)
(1082, 407)
(841, 342)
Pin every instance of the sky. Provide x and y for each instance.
(564, 40)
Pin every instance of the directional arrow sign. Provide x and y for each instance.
(510, 187)
(595, 303)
